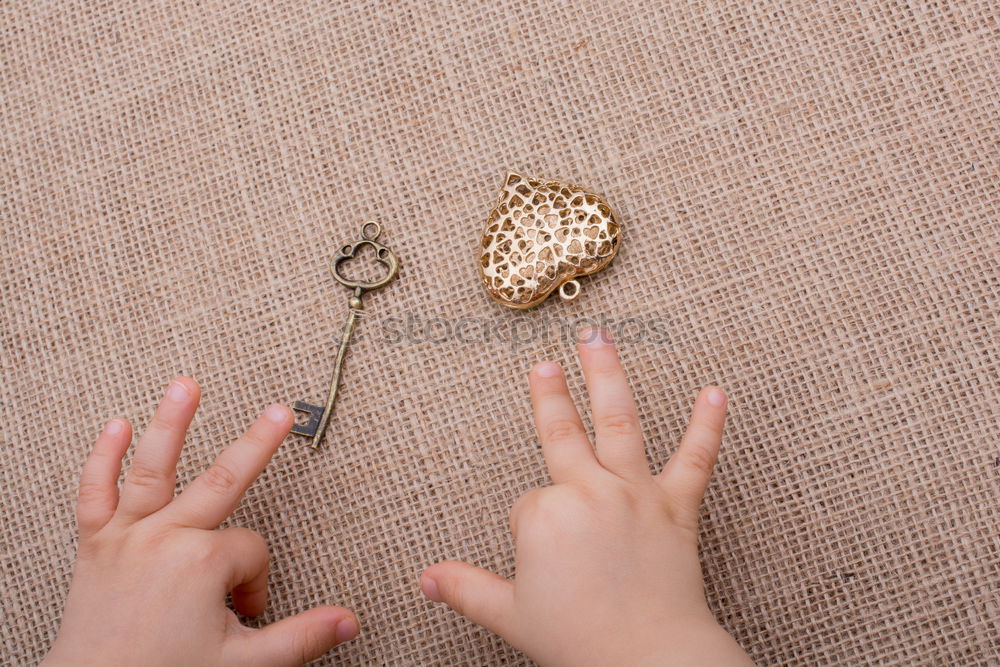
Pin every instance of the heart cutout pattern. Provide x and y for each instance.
(541, 235)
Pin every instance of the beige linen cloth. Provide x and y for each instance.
(809, 196)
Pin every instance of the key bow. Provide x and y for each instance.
(382, 254)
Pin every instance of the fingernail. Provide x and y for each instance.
(346, 630)
(430, 588)
(177, 391)
(547, 369)
(716, 398)
(276, 413)
(594, 337)
(114, 427)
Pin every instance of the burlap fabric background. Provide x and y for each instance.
(809, 192)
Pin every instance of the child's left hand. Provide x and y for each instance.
(152, 571)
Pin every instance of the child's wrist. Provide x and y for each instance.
(689, 641)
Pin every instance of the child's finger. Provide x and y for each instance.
(616, 421)
(483, 597)
(149, 481)
(248, 559)
(565, 446)
(99, 479)
(294, 640)
(215, 493)
(688, 471)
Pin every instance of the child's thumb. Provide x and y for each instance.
(481, 596)
(297, 639)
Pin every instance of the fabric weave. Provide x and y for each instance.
(809, 199)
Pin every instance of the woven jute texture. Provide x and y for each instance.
(809, 198)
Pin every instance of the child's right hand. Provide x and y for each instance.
(607, 557)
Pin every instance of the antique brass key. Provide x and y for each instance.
(319, 417)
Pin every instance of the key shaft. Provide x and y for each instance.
(338, 366)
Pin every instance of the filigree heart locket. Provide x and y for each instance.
(541, 236)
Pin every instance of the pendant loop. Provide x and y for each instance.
(569, 295)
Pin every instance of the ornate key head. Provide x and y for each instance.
(370, 231)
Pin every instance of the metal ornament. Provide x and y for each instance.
(540, 237)
(319, 417)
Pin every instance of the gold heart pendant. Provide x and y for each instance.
(541, 236)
